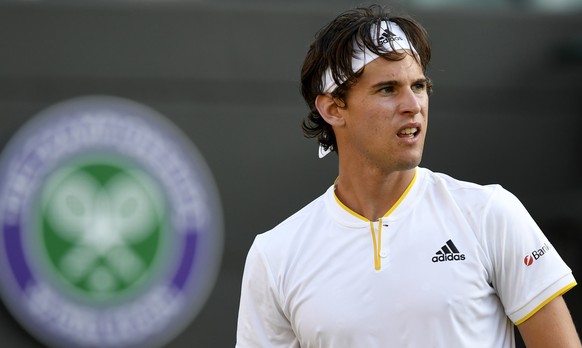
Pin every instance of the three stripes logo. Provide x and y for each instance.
(448, 252)
(388, 36)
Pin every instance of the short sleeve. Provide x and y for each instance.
(261, 321)
(527, 271)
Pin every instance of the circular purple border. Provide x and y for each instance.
(194, 272)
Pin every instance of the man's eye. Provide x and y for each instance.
(419, 86)
(387, 90)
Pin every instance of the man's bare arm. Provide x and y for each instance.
(551, 326)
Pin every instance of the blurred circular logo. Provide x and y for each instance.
(111, 226)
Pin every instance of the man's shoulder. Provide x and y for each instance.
(299, 222)
(437, 180)
(469, 194)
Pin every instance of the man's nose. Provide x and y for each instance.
(409, 102)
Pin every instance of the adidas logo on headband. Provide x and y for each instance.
(388, 36)
(392, 38)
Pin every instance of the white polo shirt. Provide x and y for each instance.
(451, 264)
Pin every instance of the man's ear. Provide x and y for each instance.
(330, 109)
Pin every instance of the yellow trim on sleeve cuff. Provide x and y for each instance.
(558, 293)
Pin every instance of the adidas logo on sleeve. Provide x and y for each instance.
(448, 252)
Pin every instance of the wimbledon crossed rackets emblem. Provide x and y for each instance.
(111, 227)
(101, 226)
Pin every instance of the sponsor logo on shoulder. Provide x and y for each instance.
(448, 252)
(529, 259)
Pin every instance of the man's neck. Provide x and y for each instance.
(372, 193)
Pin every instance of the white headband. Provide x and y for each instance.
(389, 32)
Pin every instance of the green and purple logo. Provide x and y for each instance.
(111, 226)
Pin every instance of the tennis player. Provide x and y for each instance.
(393, 254)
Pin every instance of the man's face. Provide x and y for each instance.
(386, 116)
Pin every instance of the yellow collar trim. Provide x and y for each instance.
(404, 194)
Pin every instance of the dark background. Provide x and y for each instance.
(507, 105)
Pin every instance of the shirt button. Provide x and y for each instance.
(383, 253)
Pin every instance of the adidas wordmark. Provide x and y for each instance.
(448, 252)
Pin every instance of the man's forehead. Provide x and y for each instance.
(405, 69)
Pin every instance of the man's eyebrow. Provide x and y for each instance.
(424, 80)
(389, 83)
(392, 83)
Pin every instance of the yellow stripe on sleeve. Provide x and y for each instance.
(558, 293)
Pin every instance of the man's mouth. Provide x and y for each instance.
(408, 132)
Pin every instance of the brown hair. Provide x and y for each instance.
(333, 48)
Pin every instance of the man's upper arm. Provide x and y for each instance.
(551, 326)
(261, 321)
